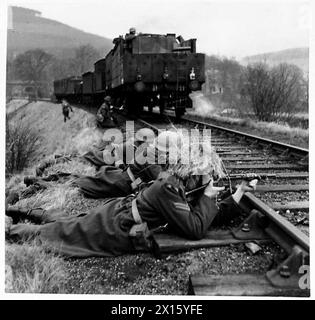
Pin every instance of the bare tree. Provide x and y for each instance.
(31, 66)
(272, 91)
(223, 76)
(85, 56)
(21, 145)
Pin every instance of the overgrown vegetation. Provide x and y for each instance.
(31, 269)
(273, 91)
(258, 91)
(21, 145)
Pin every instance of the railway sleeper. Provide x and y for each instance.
(248, 158)
(265, 166)
(283, 188)
(289, 278)
(294, 205)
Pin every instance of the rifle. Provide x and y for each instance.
(236, 176)
(250, 176)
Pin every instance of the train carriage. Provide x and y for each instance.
(99, 81)
(88, 87)
(69, 88)
(143, 70)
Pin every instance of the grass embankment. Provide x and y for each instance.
(204, 110)
(270, 130)
(29, 267)
(14, 105)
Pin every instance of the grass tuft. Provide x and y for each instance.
(55, 197)
(30, 269)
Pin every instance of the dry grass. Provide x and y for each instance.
(75, 166)
(55, 197)
(30, 269)
(14, 105)
(202, 107)
(269, 127)
(57, 136)
(84, 141)
(22, 142)
(29, 266)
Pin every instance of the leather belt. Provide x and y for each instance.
(135, 182)
(135, 212)
(130, 174)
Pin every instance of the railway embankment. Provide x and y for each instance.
(32, 269)
(283, 133)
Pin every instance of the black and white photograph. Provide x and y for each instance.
(156, 148)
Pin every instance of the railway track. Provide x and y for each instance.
(277, 212)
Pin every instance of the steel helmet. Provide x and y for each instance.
(145, 134)
(168, 140)
(107, 99)
(132, 30)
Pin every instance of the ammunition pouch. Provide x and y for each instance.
(135, 182)
(140, 237)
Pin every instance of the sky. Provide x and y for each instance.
(230, 28)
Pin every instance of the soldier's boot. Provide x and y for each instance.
(29, 180)
(41, 216)
(33, 189)
(36, 215)
(12, 197)
(23, 231)
(16, 214)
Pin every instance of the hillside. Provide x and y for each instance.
(28, 30)
(297, 56)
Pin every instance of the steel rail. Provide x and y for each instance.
(286, 235)
(292, 232)
(285, 146)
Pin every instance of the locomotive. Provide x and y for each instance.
(142, 70)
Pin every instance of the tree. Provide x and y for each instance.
(272, 91)
(31, 66)
(223, 76)
(21, 145)
(85, 57)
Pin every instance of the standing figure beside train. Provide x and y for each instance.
(104, 116)
(66, 107)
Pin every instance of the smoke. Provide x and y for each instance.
(201, 104)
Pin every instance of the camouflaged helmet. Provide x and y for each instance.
(201, 159)
(168, 140)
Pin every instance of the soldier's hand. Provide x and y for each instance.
(246, 186)
(212, 191)
(206, 178)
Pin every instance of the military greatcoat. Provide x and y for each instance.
(104, 231)
(111, 181)
(95, 157)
